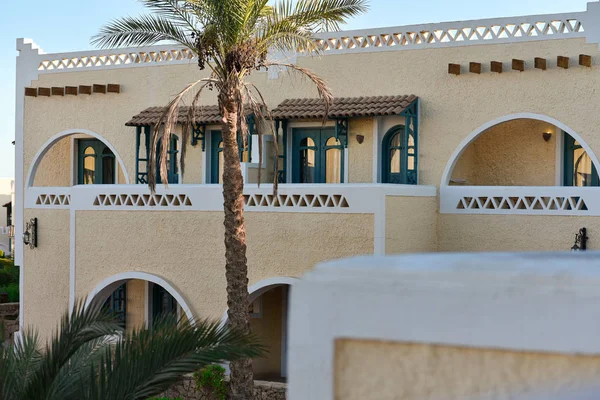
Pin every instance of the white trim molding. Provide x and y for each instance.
(537, 302)
(523, 200)
(525, 115)
(438, 35)
(69, 132)
(108, 285)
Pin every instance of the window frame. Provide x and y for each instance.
(406, 176)
(568, 160)
(99, 148)
(320, 135)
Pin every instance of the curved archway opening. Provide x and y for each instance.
(59, 162)
(138, 298)
(268, 320)
(522, 150)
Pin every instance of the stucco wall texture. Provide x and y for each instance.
(158, 243)
(410, 224)
(405, 371)
(46, 275)
(513, 153)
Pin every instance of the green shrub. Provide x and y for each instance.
(9, 273)
(212, 378)
(13, 292)
(2, 253)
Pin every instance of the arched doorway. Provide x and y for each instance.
(137, 299)
(269, 301)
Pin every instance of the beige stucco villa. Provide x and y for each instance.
(463, 136)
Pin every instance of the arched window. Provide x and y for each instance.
(399, 158)
(318, 156)
(96, 163)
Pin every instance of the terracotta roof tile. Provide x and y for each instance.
(343, 107)
(150, 116)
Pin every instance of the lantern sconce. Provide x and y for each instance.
(547, 136)
(580, 240)
(30, 234)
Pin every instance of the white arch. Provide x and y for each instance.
(447, 175)
(108, 285)
(50, 142)
(261, 287)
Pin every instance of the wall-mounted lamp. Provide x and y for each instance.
(30, 234)
(547, 136)
(580, 240)
(360, 139)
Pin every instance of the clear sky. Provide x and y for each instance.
(67, 25)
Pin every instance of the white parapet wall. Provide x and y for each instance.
(447, 326)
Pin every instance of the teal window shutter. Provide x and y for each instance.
(318, 156)
(96, 163)
(578, 169)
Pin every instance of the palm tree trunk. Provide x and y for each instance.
(236, 267)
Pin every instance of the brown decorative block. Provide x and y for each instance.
(113, 88)
(58, 91)
(562, 62)
(518, 65)
(84, 89)
(31, 92)
(496, 66)
(454, 69)
(71, 90)
(540, 63)
(585, 60)
(99, 89)
(44, 91)
(475, 68)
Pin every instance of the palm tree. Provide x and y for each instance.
(232, 39)
(90, 357)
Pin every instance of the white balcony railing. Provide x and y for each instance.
(527, 200)
(343, 198)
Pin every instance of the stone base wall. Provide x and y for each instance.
(9, 318)
(186, 390)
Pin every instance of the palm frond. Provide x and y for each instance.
(147, 362)
(144, 30)
(164, 128)
(76, 329)
(292, 24)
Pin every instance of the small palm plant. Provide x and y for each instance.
(90, 357)
(232, 39)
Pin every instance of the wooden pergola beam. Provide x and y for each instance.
(585, 60)
(99, 88)
(475, 67)
(31, 92)
(540, 63)
(518, 65)
(496, 66)
(85, 89)
(562, 62)
(113, 88)
(454, 69)
(58, 91)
